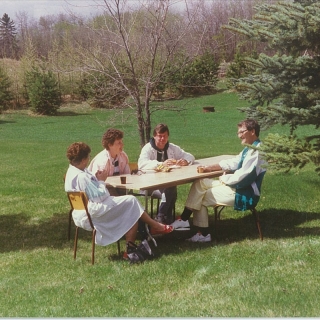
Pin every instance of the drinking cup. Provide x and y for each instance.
(200, 169)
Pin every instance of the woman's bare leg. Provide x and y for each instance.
(152, 223)
(132, 233)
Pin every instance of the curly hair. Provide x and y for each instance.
(110, 136)
(78, 151)
(250, 124)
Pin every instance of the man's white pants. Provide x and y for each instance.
(207, 193)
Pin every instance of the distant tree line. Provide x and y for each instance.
(123, 57)
(127, 57)
(52, 36)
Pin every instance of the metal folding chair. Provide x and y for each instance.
(78, 201)
(219, 207)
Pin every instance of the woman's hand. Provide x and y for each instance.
(101, 175)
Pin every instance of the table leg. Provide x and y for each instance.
(146, 201)
(150, 237)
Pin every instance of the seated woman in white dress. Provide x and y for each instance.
(113, 217)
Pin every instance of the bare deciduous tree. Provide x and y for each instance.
(132, 47)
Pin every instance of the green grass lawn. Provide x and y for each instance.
(236, 276)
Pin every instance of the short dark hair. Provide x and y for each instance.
(250, 124)
(161, 128)
(78, 151)
(110, 136)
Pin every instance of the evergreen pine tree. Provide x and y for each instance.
(285, 88)
(5, 93)
(8, 41)
(238, 68)
(198, 76)
(43, 92)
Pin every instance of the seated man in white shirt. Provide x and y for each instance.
(240, 189)
(160, 151)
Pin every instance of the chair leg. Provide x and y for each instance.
(257, 220)
(75, 243)
(69, 227)
(93, 244)
(215, 222)
(150, 237)
(118, 244)
(158, 204)
(151, 209)
(217, 212)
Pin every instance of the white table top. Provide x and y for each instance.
(152, 180)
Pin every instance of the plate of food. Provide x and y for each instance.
(162, 168)
(175, 166)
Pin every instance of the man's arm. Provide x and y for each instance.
(147, 160)
(227, 164)
(248, 172)
(213, 167)
(177, 153)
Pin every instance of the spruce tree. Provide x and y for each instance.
(5, 90)
(284, 88)
(42, 91)
(8, 41)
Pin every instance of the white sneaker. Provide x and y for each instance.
(180, 224)
(198, 237)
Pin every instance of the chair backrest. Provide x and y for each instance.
(79, 201)
(260, 179)
(133, 166)
(245, 199)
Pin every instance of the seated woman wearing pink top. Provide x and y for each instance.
(112, 160)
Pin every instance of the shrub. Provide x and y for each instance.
(43, 92)
(5, 93)
(198, 76)
(100, 91)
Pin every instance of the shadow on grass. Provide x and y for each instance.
(69, 114)
(20, 232)
(6, 121)
(275, 224)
